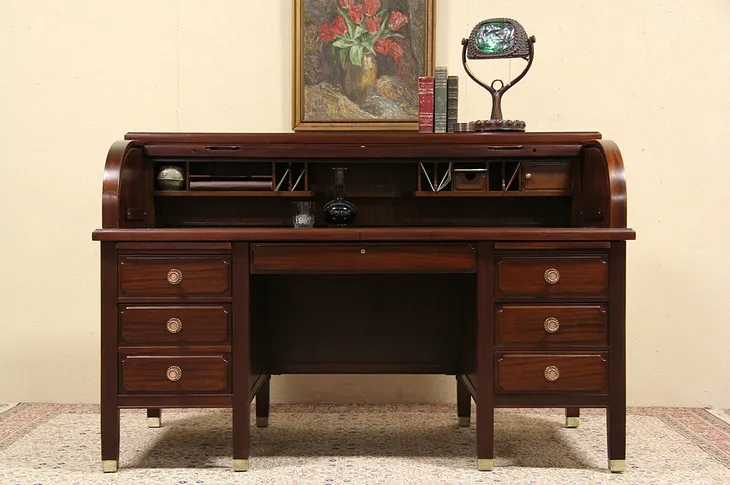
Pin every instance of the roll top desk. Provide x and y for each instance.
(499, 259)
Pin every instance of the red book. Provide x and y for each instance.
(425, 104)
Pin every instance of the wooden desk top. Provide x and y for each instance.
(366, 234)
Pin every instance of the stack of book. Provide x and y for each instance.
(438, 102)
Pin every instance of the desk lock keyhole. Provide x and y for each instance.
(362, 251)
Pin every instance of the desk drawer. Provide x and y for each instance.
(546, 176)
(551, 324)
(363, 258)
(545, 373)
(181, 324)
(584, 276)
(151, 276)
(206, 373)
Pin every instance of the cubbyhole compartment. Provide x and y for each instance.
(435, 176)
(238, 176)
(231, 178)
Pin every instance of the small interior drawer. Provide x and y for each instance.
(175, 324)
(546, 176)
(546, 372)
(551, 324)
(580, 276)
(363, 258)
(203, 373)
(151, 276)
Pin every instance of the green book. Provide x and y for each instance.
(452, 106)
(440, 99)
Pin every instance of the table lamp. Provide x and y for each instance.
(497, 38)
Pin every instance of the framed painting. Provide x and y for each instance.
(357, 63)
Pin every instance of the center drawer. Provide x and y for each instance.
(363, 258)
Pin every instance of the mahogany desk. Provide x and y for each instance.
(511, 277)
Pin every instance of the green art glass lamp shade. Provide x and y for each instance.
(495, 37)
(498, 38)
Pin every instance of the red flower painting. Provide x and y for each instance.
(357, 62)
(362, 26)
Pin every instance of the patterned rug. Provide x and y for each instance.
(331, 444)
(6, 407)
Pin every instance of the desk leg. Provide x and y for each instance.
(154, 417)
(109, 438)
(263, 398)
(572, 417)
(241, 356)
(616, 412)
(485, 358)
(463, 403)
(109, 356)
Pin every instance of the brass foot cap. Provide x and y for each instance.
(617, 466)
(572, 422)
(464, 422)
(240, 465)
(109, 466)
(485, 465)
(154, 422)
(262, 422)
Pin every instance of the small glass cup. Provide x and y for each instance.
(303, 214)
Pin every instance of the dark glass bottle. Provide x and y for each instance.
(339, 212)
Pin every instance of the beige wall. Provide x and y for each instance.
(76, 75)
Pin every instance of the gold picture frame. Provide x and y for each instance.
(331, 36)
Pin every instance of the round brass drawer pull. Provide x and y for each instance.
(174, 276)
(528, 176)
(362, 251)
(552, 373)
(174, 325)
(174, 373)
(552, 324)
(552, 276)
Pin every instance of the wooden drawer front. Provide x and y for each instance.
(191, 324)
(545, 277)
(548, 324)
(545, 373)
(546, 175)
(151, 276)
(207, 373)
(363, 258)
